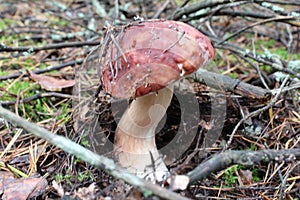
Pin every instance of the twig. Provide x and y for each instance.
(282, 2)
(292, 87)
(50, 68)
(256, 67)
(117, 9)
(197, 6)
(256, 112)
(118, 47)
(223, 82)
(285, 179)
(212, 3)
(37, 96)
(172, 45)
(245, 158)
(4, 48)
(14, 170)
(162, 8)
(90, 157)
(281, 18)
(236, 13)
(242, 52)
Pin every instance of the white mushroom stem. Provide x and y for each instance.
(135, 135)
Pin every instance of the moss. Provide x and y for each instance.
(269, 43)
(3, 73)
(6, 22)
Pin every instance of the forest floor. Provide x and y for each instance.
(45, 45)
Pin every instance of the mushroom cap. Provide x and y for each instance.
(149, 55)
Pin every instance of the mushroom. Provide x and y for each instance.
(141, 63)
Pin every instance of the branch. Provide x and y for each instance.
(246, 158)
(229, 13)
(50, 68)
(242, 52)
(223, 82)
(280, 18)
(39, 95)
(88, 156)
(197, 6)
(40, 71)
(214, 3)
(4, 48)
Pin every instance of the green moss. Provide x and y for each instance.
(7, 40)
(180, 2)
(2, 25)
(234, 75)
(43, 65)
(25, 88)
(266, 68)
(39, 106)
(69, 178)
(3, 73)
(229, 176)
(6, 22)
(270, 43)
(57, 21)
(255, 175)
(84, 141)
(37, 110)
(84, 176)
(232, 58)
(29, 63)
(64, 112)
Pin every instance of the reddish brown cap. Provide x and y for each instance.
(152, 54)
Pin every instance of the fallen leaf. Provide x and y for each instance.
(246, 177)
(87, 192)
(21, 188)
(58, 188)
(178, 182)
(50, 83)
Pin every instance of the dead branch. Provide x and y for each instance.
(40, 71)
(197, 6)
(37, 96)
(276, 64)
(48, 69)
(223, 82)
(281, 18)
(283, 184)
(4, 48)
(214, 3)
(245, 158)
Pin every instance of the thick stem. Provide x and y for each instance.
(135, 135)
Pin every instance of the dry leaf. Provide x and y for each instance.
(50, 83)
(23, 188)
(178, 182)
(58, 188)
(246, 177)
(88, 193)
